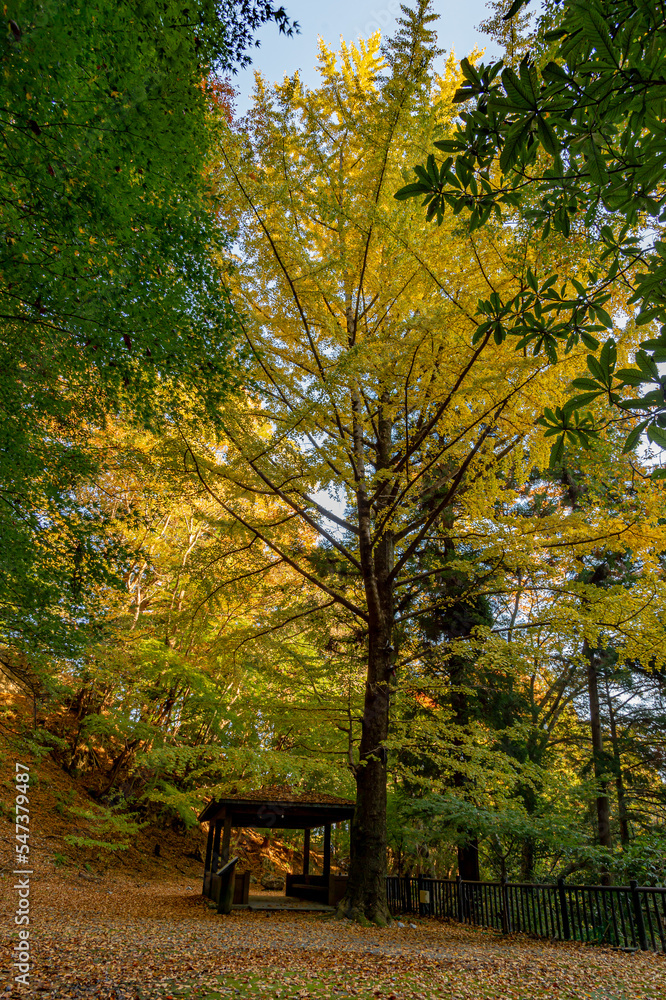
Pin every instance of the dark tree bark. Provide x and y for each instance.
(468, 853)
(623, 816)
(468, 861)
(527, 859)
(598, 755)
(366, 895)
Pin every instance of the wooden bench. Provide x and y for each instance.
(317, 888)
(242, 888)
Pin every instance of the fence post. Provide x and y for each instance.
(459, 898)
(564, 912)
(638, 914)
(506, 923)
(408, 894)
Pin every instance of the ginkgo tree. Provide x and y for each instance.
(373, 381)
(199, 680)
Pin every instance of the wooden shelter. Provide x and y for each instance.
(277, 808)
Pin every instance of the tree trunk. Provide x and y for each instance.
(468, 861)
(623, 816)
(598, 756)
(365, 899)
(528, 795)
(527, 859)
(468, 853)
(366, 893)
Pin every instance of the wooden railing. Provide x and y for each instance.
(631, 917)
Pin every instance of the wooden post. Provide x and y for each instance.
(209, 857)
(327, 850)
(566, 929)
(216, 846)
(459, 899)
(227, 887)
(226, 838)
(306, 852)
(506, 922)
(638, 915)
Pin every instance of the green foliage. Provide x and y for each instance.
(110, 288)
(63, 803)
(644, 859)
(105, 822)
(107, 266)
(176, 804)
(575, 139)
(40, 742)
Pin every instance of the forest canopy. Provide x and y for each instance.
(111, 288)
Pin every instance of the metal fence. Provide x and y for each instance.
(630, 916)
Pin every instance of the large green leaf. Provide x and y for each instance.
(657, 435)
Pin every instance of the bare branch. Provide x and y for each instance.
(271, 545)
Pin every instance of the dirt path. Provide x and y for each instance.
(119, 939)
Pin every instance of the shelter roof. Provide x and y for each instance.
(278, 806)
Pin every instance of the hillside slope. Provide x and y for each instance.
(68, 827)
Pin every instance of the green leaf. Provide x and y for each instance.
(654, 398)
(603, 316)
(411, 191)
(595, 162)
(589, 341)
(596, 27)
(657, 435)
(552, 71)
(515, 140)
(514, 8)
(637, 403)
(469, 71)
(632, 376)
(608, 357)
(646, 315)
(576, 402)
(596, 369)
(632, 441)
(553, 36)
(585, 383)
(557, 451)
(517, 91)
(449, 145)
(647, 366)
(531, 280)
(634, 437)
(547, 135)
(424, 177)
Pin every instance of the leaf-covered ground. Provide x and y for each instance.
(116, 938)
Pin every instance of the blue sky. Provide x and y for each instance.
(350, 18)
